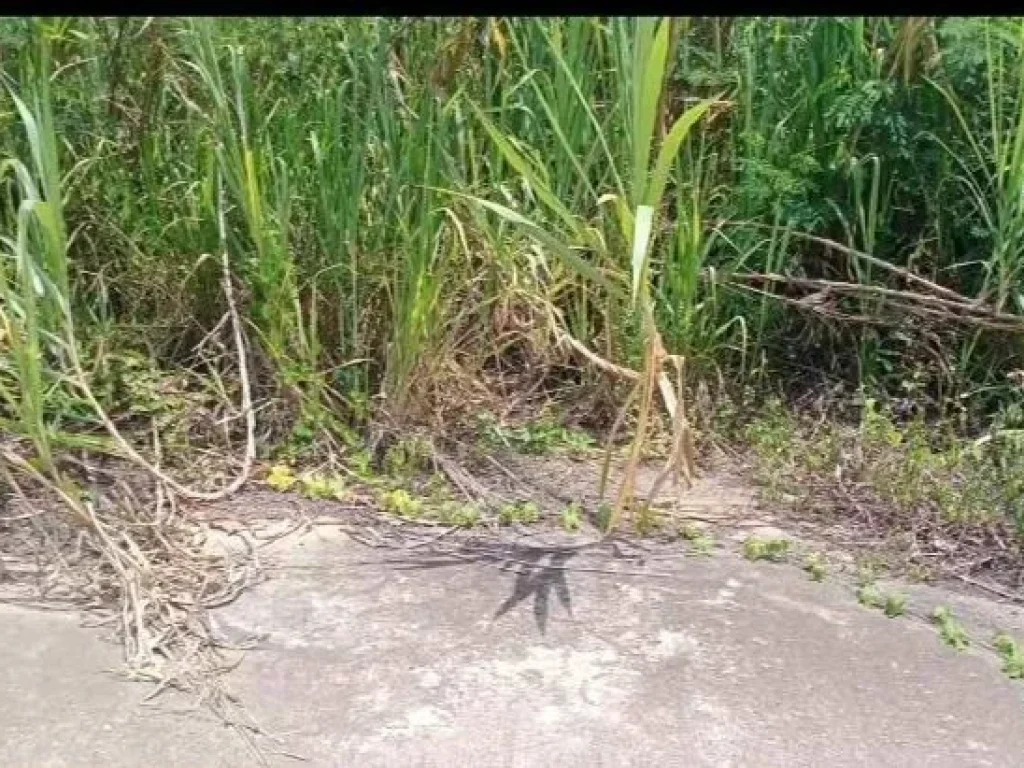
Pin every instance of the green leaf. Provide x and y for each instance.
(641, 239)
(646, 100)
(525, 169)
(562, 250)
(670, 149)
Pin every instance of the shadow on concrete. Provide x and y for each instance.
(542, 572)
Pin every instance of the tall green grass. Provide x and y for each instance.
(386, 182)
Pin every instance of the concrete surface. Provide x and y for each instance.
(374, 658)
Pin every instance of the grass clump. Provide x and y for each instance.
(703, 544)
(895, 605)
(1013, 655)
(401, 503)
(519, 512)
(892, 604)
(572, 517)
(459, 514)
(407, 457)
(698, 537)
(773, 550)
(647, 519)
(322, 486)
(952, 631)
(816, 566)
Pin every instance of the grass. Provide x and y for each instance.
(816, 566)
(771, 550)
(572, 517)
(1013, 656)
(891, 604)
(519, 513)
(912, 468)
(952, 631)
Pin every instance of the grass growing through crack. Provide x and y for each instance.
(870, 595)
(816, 566)
(699, 539)
(952, 631)
(1013, 655)
(773, 550)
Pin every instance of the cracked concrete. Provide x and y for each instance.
(373, 660)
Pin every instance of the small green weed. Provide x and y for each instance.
(951, 630)
(772, 550)
(870, 596)
(1013, 655)
(702, 544)
(400, 503)
(462, 515)
(690, 531)
(895, 605)
(318, 486)
(524, 513)
(815, 566)
(281, 478)
(892, 604)
(540, 437)
(361, 462)
(407, 457)
(572, 517)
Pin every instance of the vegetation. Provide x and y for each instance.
(951, 630)
(772, 550)
(1013, 656)
(816, 566)
(293, 240)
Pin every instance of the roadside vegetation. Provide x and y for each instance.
(330, 254)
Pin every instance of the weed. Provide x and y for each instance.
(400, 503)
(361, 463)
(461, 515)
(952, 631)
(572, 517)
(816, 566)
(703, 544)
(321, 486)
(869, 568)
(407, 457)
(772, 550)
(540, 437)
(523, 513)
(281, 478)
(895, 605)
(690, 531)
(870, 596)
(1013, 655)
(892, 604)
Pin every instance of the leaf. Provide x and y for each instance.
(516, 159)
(646, 100)
(563, 251)
(670, 148)
(641, 238)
